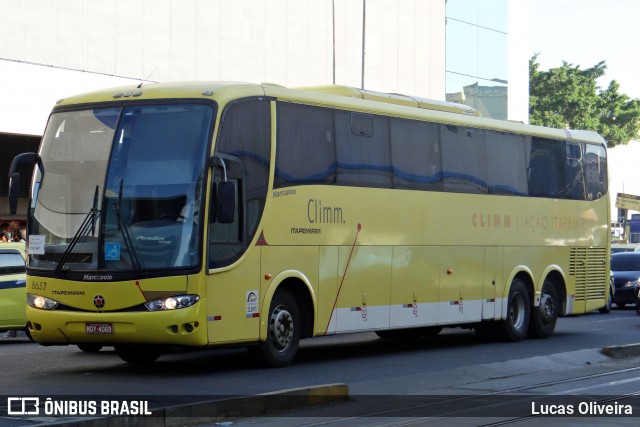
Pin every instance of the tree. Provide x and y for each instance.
(569, 98)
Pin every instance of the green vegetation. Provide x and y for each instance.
(568, 97)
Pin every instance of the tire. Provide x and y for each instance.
(137, 355)
(609, 302)
(515, 326)
(283, 333)
(409, 334)
(90, 347)
(544, 317)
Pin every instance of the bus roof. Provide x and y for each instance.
(395, 98)
(338, 96)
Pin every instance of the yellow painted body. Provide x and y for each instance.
(12, 295)
(163, 327)
(366, 258)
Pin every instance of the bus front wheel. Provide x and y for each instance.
(283, 332)
(544, 317)
(518, 312)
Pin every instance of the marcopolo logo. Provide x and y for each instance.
(98, 301)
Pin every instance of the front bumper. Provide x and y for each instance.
(184, 327)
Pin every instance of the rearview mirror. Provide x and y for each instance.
(14, 186)
(14, 177)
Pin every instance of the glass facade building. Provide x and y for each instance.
(476, 66)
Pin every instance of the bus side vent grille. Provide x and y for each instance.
(588, 266)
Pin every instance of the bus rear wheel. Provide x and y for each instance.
(516, 324)
(283, 333)
(137, 355)
(544, 317)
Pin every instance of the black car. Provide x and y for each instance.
(625, 267)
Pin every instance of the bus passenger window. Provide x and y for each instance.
(363, 154)
(304, 133)
(546, 168)
(415, 155)
(462, 172)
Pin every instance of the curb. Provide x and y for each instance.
(219, 410)
(622, 351)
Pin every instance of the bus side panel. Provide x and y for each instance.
(231, 294)
(492, 263)
(461, 284)
(328, 283)
(365, 286)
(415, 286)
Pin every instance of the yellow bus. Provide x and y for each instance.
(223, 214)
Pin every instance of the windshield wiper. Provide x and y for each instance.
(88, 225)
(122, 226)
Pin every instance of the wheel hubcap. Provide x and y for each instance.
(547, 308)
(281, 327)
(516, 311)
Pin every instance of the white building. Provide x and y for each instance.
(50, 49)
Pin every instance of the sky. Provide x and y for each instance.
(585, 32)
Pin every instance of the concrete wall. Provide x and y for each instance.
(53, 48)
(518, 61)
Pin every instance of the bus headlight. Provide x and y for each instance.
(41, 302)
(172, 303)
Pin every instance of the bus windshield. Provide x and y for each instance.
(120, 188)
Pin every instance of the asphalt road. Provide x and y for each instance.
(362, 361)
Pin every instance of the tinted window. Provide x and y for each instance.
(324, 146)
(246, 134)
(506, 164)
(245, 144)
(362, 150)
(305, 153)
(574, 172)
(11, 263)
(546, 168)
(464, 168)
(595, 171)
(415, 155)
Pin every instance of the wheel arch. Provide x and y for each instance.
(300, 287)
(523, 273)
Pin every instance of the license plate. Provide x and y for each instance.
(99, 328)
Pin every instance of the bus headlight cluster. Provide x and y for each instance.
(172, 303)
(41, 302)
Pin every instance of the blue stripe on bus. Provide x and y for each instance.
(423, 179)
(12, 284)
(309, 179)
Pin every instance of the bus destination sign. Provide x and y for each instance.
(628, 201)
